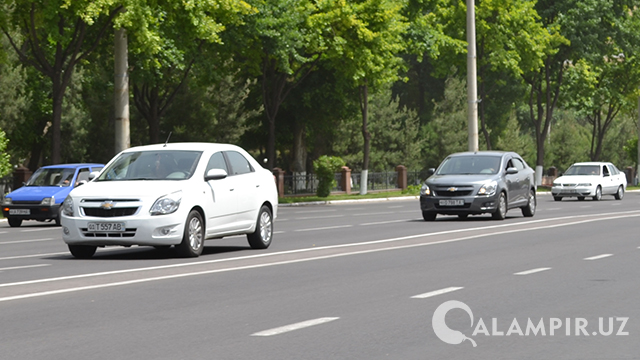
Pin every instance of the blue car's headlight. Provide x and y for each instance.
(7, 201)
(48, 201)
(167, 204)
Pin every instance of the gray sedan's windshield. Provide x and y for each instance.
(152, 165)
(469, 165)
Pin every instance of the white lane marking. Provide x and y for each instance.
(437, 292)
(24, 267)
(386, 213)
(32, 256)
(532, 271)
(325, 228)
(395, 207)
(357, 252)
(280, 219)
(26, 241)
(584, 207)
(314, 211)
(388, 222)
(615, 204)
(43, 229)
(550, 209)
(3, 232)
(319, 217)
(279, 232)
(296, 326)
(598, 257)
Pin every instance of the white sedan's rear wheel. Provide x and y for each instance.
(620, 194)
(261, 237)
(598, 194)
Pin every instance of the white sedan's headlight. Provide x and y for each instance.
(67, 206)
(167, 204)
(424, 190)
(488, 188)
(48, 201)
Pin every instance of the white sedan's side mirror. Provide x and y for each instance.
(215, 174)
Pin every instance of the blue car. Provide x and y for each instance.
(42, 195)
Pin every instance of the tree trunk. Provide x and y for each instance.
(56, 132)
(121, 91)
(364, 107)
(299, 161)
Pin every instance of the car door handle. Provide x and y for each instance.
(258, 185)
(231, 189)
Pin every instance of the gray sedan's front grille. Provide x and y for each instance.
(453, 193)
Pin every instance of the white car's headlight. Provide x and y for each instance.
(48, 201)
(67, 206)
(584, 184)
(424, 190)
(488, 188)
(7, 201)
(166, 204)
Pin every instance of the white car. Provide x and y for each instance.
(172, 194)
(590, 179)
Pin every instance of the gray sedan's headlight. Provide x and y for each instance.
(424, 190)
(167, 204)
(48, 201)
(7, 201)
(488, 188)
(67, 206)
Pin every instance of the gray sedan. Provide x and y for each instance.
(473, 183)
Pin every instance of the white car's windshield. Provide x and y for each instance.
(51, 177)
(469, 165)
(152, 165)
(583, 170)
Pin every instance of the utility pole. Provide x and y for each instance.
(472, 82)
(637, 177)
(121, 87)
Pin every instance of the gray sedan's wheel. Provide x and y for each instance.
(13, 222)
(82, 251)
(463, 216)
(193, 237)
(620, 194)
(429, 216)
(598, 194)
(557, 198)
(261, 237)
(530, 209)
(501, 211)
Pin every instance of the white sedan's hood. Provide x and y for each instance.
(578, 179)
(138, 189)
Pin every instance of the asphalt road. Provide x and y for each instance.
(348, 281)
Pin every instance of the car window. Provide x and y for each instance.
(510, 164)
(51, 177)
(239, 164)
(152, 165)
(605, 170)
(614, 170)
(96, 168)
(583, 170)
(83, 175)
(518, 164)
(216, 161)
(469, 165)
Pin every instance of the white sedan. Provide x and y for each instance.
(166, 195)
(590, 179)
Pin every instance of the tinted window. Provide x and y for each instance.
(216, 161)
(239, 164)
(469, 165)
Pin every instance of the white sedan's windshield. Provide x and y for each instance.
(583, 170)
(152, 165)
(470, 165)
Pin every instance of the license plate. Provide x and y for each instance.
(105, 227)
(451, 202)
(19, 212)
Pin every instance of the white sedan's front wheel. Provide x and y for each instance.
(193, 236)
(620, 194)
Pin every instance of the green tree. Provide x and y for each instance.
(5, 160)
(54, 37)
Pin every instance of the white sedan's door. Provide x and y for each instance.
(609, 181)
(247, 186)
(219, 199)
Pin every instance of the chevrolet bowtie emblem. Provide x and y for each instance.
(107, 205)
(452, 189)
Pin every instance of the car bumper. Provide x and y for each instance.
(572, 192)
(30, 212)
(149, 230)
(471, 205)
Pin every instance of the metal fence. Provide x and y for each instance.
(6, 184)
(307, 184)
